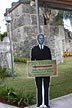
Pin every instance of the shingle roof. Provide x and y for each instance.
(14, 5)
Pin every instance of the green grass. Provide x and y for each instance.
(62, 84)
(24, 86)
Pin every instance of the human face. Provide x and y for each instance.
(40, 39)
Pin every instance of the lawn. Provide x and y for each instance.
(62, 84)
(24, 87)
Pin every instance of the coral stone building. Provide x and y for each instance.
(24, 29)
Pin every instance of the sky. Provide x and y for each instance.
(3, 5)
(7, 4)
(67, 24)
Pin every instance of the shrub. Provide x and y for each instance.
(8, 72)
(2, 72)
(3, 92)
(24, 60)
(11, 96)
(3, 35)
(30, 99)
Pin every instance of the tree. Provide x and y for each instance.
(59, 18)
(68, 15)
(3, 35)
(52, 16)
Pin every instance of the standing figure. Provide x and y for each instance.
(41, 52)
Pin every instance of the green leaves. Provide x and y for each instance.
(59, 18)
(3, 35)
(67, 14)
(23, 60)
(2, 72)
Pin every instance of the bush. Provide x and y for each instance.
(8, 72)
(2, 72)
(3, 92)
(24, 60)
(11, 96)
(3, 35)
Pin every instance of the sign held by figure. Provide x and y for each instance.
(42, 68)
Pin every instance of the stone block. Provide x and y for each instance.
(46, 31)
(30, 30)
(26, 8)
(32, 10)
(33, 20)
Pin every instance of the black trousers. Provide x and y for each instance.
(46, 81)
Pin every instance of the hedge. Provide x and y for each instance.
(24, 60)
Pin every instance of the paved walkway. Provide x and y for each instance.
(61, 102)
(6, 106)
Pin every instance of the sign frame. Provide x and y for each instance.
(42, 68)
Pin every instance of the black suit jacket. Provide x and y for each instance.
(40, 54)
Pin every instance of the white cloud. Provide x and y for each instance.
(67, 24)
(3, 5)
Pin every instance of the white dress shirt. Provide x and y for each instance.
(41, 46)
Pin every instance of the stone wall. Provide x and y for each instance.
(56, 42)
(5, 56)
(24, 29)
(68, 40)
(24, 32)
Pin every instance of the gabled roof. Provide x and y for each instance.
(56, 4)
(14, 5)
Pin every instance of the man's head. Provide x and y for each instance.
(40, 39)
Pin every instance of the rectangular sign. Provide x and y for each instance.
(42, 68)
